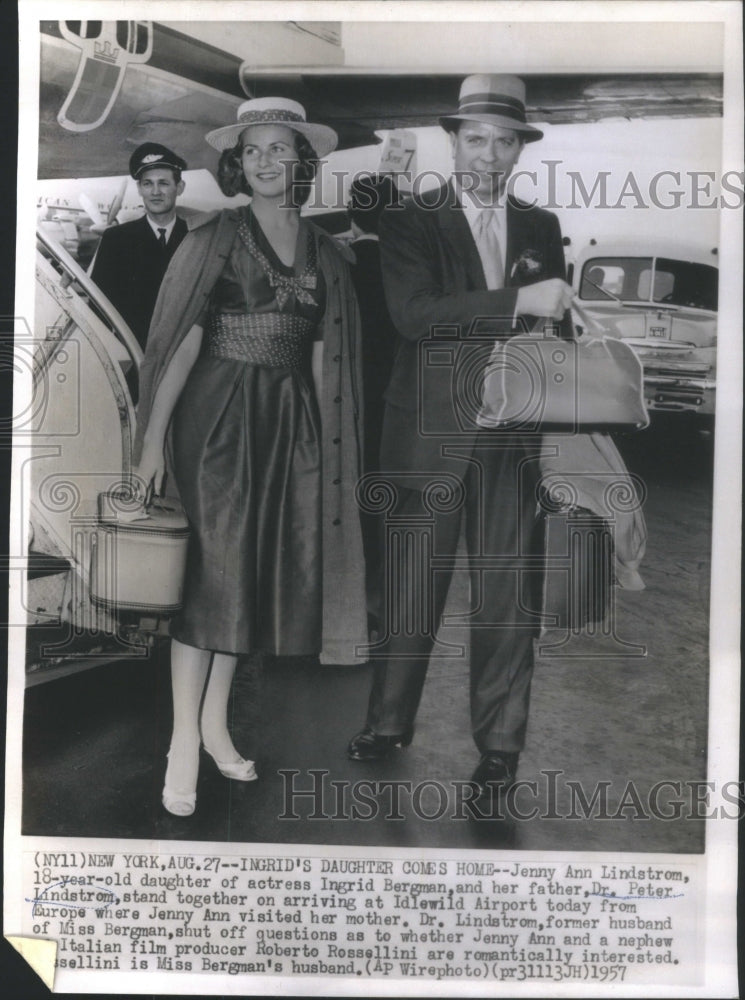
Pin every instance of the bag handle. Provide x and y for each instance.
(591, 325)
(151, 500)
(588, 321)
(148, 498)
(160, 504)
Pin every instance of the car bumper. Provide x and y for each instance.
(680, 395)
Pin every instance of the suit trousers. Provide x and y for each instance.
(497, 502)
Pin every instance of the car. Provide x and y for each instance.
(661, 298)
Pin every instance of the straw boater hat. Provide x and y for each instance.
(493, 100)
(275, 111)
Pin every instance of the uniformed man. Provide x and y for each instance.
(132, 258)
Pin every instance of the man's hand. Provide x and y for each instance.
(545, 298)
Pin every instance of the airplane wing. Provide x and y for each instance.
(106, 87)
(364, 102)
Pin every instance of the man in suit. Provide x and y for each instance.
(369, 196)
(132, 258)
(462, 266)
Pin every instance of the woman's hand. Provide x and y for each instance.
(150, 471)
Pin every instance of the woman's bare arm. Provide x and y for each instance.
(151, 467)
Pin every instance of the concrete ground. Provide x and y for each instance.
(95, 743)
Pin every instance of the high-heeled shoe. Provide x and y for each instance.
(238, 770)
(179, 803)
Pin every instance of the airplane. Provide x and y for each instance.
(170, 85)
(78, 222)
(76, 211)
(107, 87)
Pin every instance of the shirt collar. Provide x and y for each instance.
(155, 227)
(472, 209)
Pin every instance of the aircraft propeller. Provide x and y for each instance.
(100, 222)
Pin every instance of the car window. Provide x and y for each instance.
(681, 283)
(644, 279)
(621, 277)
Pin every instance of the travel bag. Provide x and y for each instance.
(138, 554)
(578, 569)
(536, 382)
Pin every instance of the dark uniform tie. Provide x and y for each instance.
(162, 237)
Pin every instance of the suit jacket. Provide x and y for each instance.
(448, 320)
(379, 341)
(129, 268)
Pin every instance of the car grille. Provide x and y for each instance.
(697, 372)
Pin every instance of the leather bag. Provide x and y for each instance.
(578, 569)
(538, 382)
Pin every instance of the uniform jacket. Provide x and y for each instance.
(447, 319)
(129, 267)
(184, 293)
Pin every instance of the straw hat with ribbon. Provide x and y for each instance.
(493, 100)
(275, 111)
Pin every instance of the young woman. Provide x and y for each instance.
(252, 367)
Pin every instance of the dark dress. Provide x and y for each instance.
(247, 457)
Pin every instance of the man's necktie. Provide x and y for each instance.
(162, 237)
(487, 241)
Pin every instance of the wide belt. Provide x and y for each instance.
(276, 340)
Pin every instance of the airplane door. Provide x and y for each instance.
(85, 363)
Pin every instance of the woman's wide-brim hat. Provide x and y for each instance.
(493, 100)
(275, 111)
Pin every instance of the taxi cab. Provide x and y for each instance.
(661, 298)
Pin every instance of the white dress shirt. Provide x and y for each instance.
(472, 212)
(156, 228)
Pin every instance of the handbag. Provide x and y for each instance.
(138, 556)
(545, 383)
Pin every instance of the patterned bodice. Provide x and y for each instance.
(255, 280)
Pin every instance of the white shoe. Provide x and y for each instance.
(179, 803)
(236, 770)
